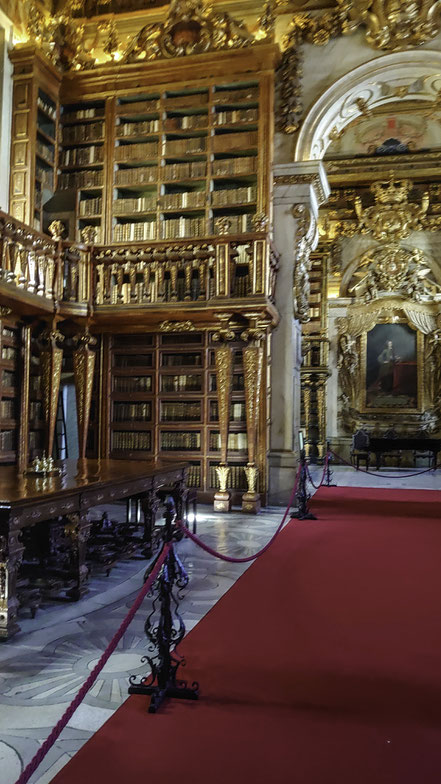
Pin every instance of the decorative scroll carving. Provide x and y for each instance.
(390, 268)
(51, 358)
(392, 25)
(191, 27)
(176, 326)
(304, 242)
(11, 554)
(83, 366)
(392, 217)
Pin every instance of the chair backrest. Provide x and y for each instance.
(391, 433)
(360, 440)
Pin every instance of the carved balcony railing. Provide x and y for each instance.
(186, 270)
(141, 274)
(30, 261)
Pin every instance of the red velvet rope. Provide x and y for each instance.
(325, 465)
(383, 476)
(68, 713)
(229, 558)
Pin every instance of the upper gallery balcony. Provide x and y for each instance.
(136, 282)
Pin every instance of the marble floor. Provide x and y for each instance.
(42, 667)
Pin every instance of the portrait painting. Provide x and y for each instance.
(392, 367)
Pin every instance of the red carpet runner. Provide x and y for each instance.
(322, 665)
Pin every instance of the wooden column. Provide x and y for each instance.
(224, 372)
(23, 435)
(51, 359)
(253, 367)
(84, 368)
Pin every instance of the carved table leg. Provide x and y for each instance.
(149, 505)
(180, 492)
(11, 554)
(78, 530)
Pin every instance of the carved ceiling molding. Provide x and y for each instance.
(189, 27)
(413, 76)
(303, 179)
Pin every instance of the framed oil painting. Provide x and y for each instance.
(391, 366)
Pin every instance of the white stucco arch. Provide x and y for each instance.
(410, 75)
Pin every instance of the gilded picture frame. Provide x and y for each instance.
(392, 369)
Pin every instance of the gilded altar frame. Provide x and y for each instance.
(418, 409)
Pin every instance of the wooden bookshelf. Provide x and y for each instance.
(9, 390)
(34, 139)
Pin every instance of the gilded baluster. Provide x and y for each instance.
(20, 266)
(202, 270)
(41, 274)
(83, 366)
(32, 264)
(51, 358)
(173, 281)
(99, 284)
(145, 269)
(49, 279)
(109, 284)
(131, 270)
(224, 373)
(188, 268)
(160, 282)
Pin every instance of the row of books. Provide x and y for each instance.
(236, 116)
(9, 379)
(132, 383)
(172, 201)
(136, 152)
(182, 101)
(194, 476)
(46, 107)
(140, 128)
(174, 228)
(226, 142)
(9, 352)
(81, 156)
(237, 412)
(141, 204)
(138, 107)
(193, 145)
(190, 383)
(141, 441)
(86, 179)
(236, 479)
(35, 409)
(238, 224)
(186, 122)
(237, 384)
(181, 171)
(237, 442)
(180, 441)
(7, 440)
(183, 359)
(133, 360)
(247, 95)
(234, 166)
(7, 409)
(91, 206)
(82, 114)
(132, 412)
(35, 439)
(184, 411)
(137, 176)
(134, 232)
(7, 332)
(44, 151)
(88, 132)
(229, 196)
(46, 176)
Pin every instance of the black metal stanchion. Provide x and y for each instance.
(302, 496)
(166, 631)
(329, 473)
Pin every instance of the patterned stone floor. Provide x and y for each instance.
(42, 668)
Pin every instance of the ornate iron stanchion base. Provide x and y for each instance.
(329, 473)
(167, 631)
(302, 496)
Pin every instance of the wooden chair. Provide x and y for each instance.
(360, 449)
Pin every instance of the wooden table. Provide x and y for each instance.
(27, 500)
